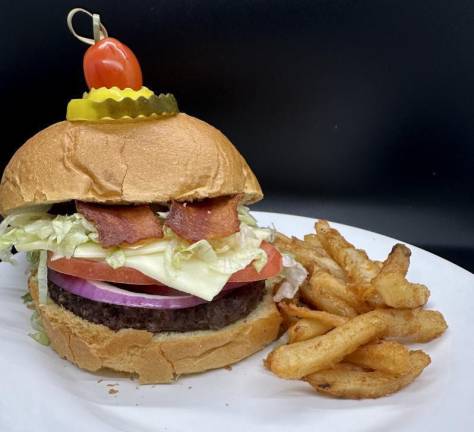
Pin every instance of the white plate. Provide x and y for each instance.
(41, 392)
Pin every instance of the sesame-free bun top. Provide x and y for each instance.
(126, 162)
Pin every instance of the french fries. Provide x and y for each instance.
(320, 296)
(404, 325)
(354, 261)
(347, 381)
(294, 361)
(413, 325)
(345, 339)
(385, 356)
(392, 286)
(306, 328)
(307, 255)
(326, 318)
(332, 295)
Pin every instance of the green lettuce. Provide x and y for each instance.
(245, 216)
(291, 277)
(201, 268)
(42, 277)
(30, 231)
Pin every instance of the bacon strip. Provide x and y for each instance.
(207, 219)
(121, 224)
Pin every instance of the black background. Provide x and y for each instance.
(357, 111)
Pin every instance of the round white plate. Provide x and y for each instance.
(41, 392)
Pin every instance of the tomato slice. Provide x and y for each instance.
(272, 267)
(101, 271)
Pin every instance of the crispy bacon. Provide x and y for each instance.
(121, 224)
(207, 219)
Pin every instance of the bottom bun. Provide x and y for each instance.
(161, 357)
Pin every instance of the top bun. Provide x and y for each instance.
(126, 162)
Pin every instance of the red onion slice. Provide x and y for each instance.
(107, 293)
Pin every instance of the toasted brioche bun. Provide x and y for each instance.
(156, 358)
(125, 162)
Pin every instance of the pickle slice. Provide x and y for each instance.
(110, 109)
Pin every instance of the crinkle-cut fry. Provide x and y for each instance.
(413, 325)
(292, 310)
(307, 255)
(385, 356)
(307, 328)
(299, 359)
(345, 381)
(321, 296)
(354, 261)
(392, 285)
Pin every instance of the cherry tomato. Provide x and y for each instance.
(110, 63)
(101, 271)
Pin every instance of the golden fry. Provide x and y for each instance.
(385, 356)
(287, 319)
(307, 328)
(354, 261)
(367, 293)
(291, 310)
(413, 325)
(337, 349)
(405, 325)
(398, 260)
(307, 255)
(320, 293)
(336, 288)
(313, 241)
(392, 286)
(344, 381)
(297, 360)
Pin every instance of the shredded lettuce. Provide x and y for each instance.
(40, 335)
(32, 257)
(42, 277)
(171, 260)
(116, 259)
(27, 298)
(31, 231)
(293, 274)
(36, 322)
(200, 268)
(245, 216)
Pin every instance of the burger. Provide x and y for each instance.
(144, 256)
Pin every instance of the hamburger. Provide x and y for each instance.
(145, 257)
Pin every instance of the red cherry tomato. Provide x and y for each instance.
(110, 63)
(101, 271)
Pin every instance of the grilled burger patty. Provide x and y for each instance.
(225, 310)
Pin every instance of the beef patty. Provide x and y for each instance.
(225, 310)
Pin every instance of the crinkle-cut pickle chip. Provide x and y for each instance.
(127, 107)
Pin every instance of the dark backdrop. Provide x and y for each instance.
(357, 111)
